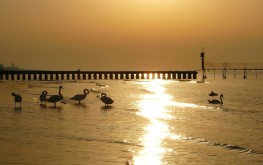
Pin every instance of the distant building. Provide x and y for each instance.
(12, 67)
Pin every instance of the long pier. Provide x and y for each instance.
(95, 75)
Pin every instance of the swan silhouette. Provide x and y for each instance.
(43, 97)
(80, 97)
(17, 99)
(56, 98)
(213, 94)
(215, 101)
(106, 100)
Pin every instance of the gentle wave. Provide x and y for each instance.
(105, 140)
(223, 145)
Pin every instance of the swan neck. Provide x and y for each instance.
(59, 91)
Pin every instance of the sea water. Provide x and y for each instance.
(151, 122)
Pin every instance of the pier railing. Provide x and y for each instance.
(95, 75)
(224, 67)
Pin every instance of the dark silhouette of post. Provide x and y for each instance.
(203, 63)
(245, 71)
(224, 70)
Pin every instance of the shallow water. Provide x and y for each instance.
(150, 122)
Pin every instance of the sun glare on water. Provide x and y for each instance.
(153, 107)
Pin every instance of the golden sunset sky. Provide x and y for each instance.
(129, 34)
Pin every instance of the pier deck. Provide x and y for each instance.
(94, 75)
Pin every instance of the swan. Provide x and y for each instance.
(17, 99)
(43, 97)
(80, 97)
(216, 101)
(56, 98)
(106, 100)
(213, 94)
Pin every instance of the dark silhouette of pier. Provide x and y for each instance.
(95, 75)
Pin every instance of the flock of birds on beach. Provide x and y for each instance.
(59, 98)
(78, 97)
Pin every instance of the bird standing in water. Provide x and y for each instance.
(106, 100)
(56, 98)
(80, 97)
(17, 99)
(43, 97)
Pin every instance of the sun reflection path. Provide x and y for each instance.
(153, 107)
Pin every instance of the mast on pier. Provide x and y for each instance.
(203, 63)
